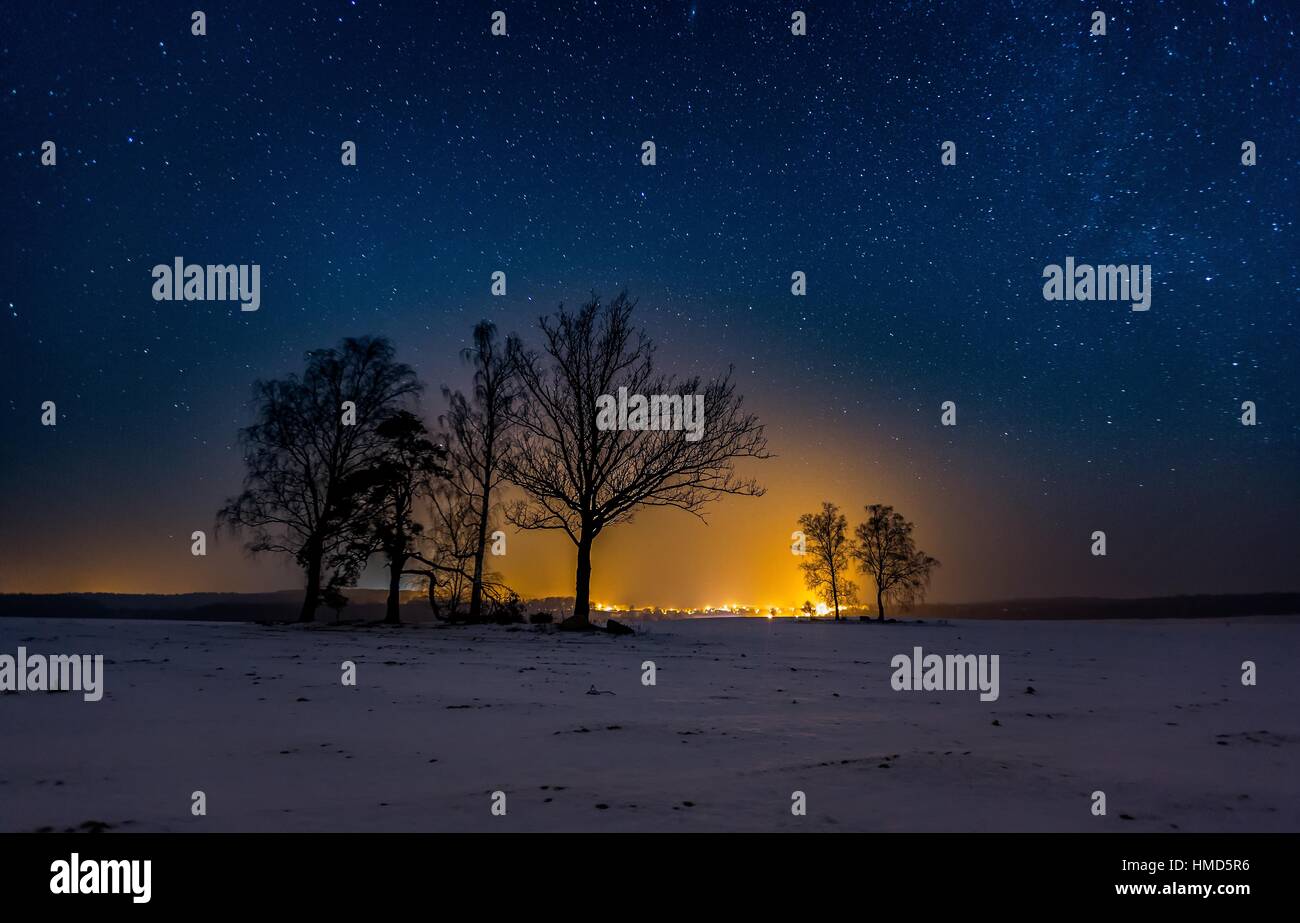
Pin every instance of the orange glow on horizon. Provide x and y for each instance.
(664, 558)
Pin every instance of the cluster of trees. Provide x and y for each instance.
(883, 549)
(340, 467)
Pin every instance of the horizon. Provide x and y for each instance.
(606, 608)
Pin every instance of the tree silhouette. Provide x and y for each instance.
(332, 597)
(301, 458)
(477, 432)
(888, 554)
(826, 556)
(581, 478)
(448, 547)
(405, 469)
(448, 553)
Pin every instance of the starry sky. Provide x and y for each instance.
(775, 153)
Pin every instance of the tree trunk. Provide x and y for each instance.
(311, 599)
(582, 592)
(433, 595)
(880, 605)
(392, 614)
(476, 589)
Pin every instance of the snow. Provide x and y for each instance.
(744, 713)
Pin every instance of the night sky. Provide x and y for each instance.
(775, 153)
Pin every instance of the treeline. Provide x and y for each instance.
(883, 549)
(341, 467)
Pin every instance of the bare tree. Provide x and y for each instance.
(445, 557)
(304, 450)
(582, 478)
(888, 554)
(448, 551)
(477, 432)
(826, 556)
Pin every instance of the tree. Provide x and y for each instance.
(888, 554)
(304, 450)
(404, 470)
(447, 553)
(448, 549)
(807, 609)
(582, 477)
(826, 556)
(477, 432)
(332, 597)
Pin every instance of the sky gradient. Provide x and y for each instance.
(775, 153)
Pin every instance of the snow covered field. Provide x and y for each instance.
(744, 712)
